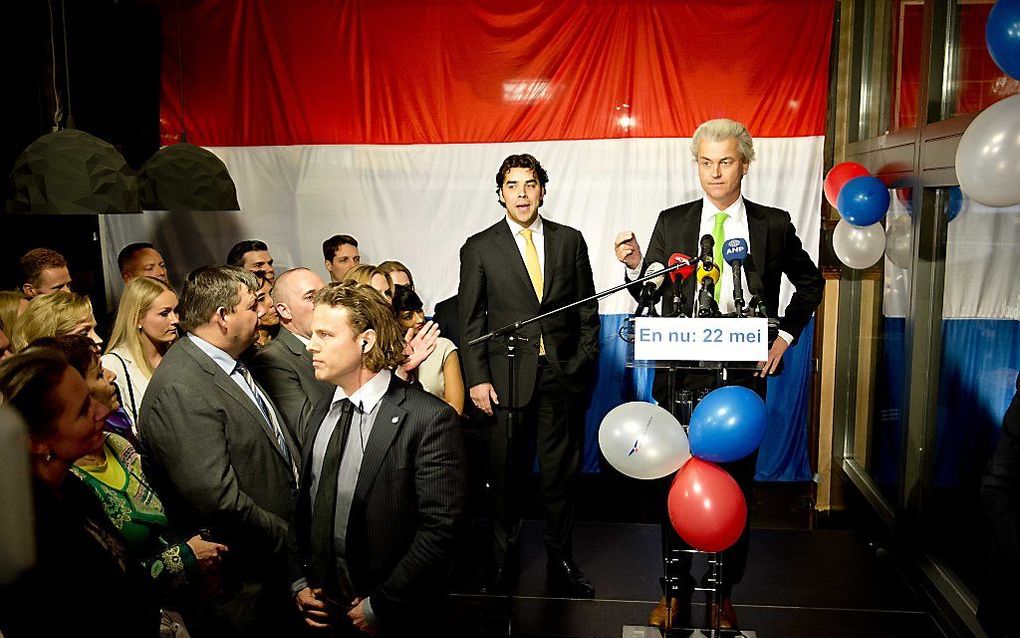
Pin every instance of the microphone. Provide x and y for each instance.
(678, 277)
(707, 250)
(708, 275)
(735, 252)
(649, 291)
(756, 306)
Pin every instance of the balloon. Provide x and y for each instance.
(706, 506)
(858, 247)
(643, 441)
(957, 200)
(839, 175)
(863, 201)
(987, 157)
(1002, 34)
(899, 241)
(728, 424)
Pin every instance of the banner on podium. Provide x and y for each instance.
(701, 339)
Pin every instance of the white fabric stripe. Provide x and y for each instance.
(419, 203)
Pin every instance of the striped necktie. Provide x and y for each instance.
(281, 441)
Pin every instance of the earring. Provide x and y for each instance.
(48, 456)
(139, 327)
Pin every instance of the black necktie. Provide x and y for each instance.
(324, 509)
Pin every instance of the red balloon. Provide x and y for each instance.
(841, 174)
(706, 506)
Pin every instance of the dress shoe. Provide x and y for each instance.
(503, 579)
(567, 578)
(665, 617)
(727, 617)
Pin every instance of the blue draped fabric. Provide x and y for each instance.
(979, 364)
(784, 453)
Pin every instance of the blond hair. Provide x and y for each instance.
(721, 130)
(50, 315)
(10, 301)
(363, 275)
(139, 295)
(367, 309)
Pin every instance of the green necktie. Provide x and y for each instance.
(720, 236)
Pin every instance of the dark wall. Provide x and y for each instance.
(113, 52)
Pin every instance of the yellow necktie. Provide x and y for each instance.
(534, 272)
(532, 263)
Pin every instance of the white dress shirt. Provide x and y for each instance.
(537, 236)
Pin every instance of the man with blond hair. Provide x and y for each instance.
(723, 152)
(382, 493)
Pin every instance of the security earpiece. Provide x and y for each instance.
(364, 344)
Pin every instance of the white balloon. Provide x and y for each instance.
(643, 441)
(988, 156)
(898, 239)
(858, 246)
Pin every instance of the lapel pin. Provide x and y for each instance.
(395, 419)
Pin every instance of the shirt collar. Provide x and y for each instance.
(303, 339)
(370, 394)
(735, 211)
(515, 228)
(222, 359)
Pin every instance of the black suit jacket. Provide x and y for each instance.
(215, 460)
(284, 369)
(775, 250)
(495, 290)
(408, 505)
(447, 315)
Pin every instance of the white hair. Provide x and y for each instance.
(721, 130)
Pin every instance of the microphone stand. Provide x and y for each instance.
(510, 336)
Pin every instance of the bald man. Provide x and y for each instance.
(284, 367)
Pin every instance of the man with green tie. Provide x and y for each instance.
(723, 151)
(519, 267)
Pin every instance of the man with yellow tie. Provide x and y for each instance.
(723, 151)
(519, 267)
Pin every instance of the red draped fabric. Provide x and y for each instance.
(284, 72)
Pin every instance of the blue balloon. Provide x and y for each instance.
(1002, 34)
(863, 201)
(728, 424)
(956, 202)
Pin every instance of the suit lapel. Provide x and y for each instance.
(758, 229)
(387, 424)
(507, 244)
(552, 246)
(223, 381)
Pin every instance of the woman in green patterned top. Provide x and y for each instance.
(114, 472)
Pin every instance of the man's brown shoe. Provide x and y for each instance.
(727, 617)
(664, 617)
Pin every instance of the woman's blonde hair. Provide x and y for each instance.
(139, 295)
(363, 275)
(57, 313)
(10, 301)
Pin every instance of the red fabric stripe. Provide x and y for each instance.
(277, 72)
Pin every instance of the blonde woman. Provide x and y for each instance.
(52, 315)
(144, 330)
(371, 275)
(10, 301)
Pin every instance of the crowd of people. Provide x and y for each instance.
(256, 453)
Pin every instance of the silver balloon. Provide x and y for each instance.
(643, 441)
(988, 156)
(898, 241)
(858, 246)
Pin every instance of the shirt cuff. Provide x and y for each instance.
(632, 273)
(787, 337)
(370, 617)
(297, 586)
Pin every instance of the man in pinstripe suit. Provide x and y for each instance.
(382, 491)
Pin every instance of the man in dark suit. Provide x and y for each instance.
(382, 487)
(723, 151)
(284, 366)
(220, 454)
(517, 268)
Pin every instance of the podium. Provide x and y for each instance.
(675, 346)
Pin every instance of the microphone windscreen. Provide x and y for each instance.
(735, 250)
(707, 246)
(712, 272)
(653, 268)
(685, 271)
